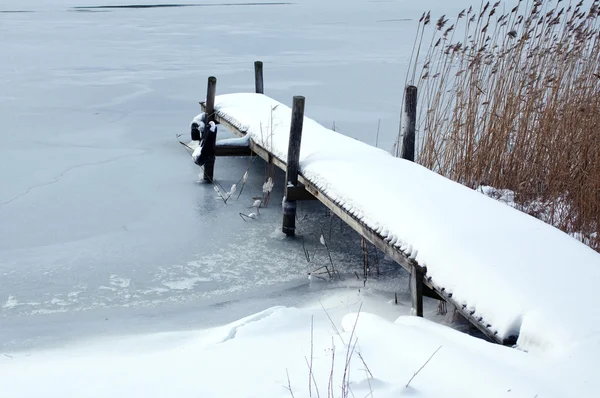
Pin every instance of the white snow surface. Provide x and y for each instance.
(197, 152)
(521, 275)
(254, 356)
(238, 141)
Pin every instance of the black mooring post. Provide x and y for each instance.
(410, 123)
(293, 166)
(209, 137)
(416, 289)
(258, 77)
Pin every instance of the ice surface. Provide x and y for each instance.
(94, 183)
(506, 266)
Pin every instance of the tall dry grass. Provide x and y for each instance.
(511, 98)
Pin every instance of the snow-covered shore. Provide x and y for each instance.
(253, 357)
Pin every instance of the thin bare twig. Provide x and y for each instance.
(310, 368)
(245, 176)
(333, 270)
(332, 323)
(289, 386)
(306, 253)
(421, 368)
(369, 374)
(349, 352)
(246, 217)
(314, 381)
(330, 384)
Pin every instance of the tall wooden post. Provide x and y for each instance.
(293, 166)
(209, 137)
(258, 77)
(416, 289)
(410, 123)
(408, 153)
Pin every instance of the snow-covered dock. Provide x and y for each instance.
(510, 274)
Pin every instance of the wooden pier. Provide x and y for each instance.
(298, 188)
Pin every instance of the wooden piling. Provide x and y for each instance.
(209, 137)
(293, 166)
(211, 90)
(410, 123)
(258, 77)
(416, 289)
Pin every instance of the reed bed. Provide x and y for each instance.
(510, 98)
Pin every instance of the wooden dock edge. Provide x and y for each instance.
(429, 288)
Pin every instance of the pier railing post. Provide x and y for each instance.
(416, 289)
(209, 137)
(410, 123)
(258, 77)
(293, 166)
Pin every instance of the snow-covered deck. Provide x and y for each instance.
(509, 272)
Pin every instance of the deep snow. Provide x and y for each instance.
(254, 356)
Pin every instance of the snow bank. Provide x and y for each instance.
(519, 274)
(252, 357)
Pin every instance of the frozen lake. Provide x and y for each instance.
(103, 225)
